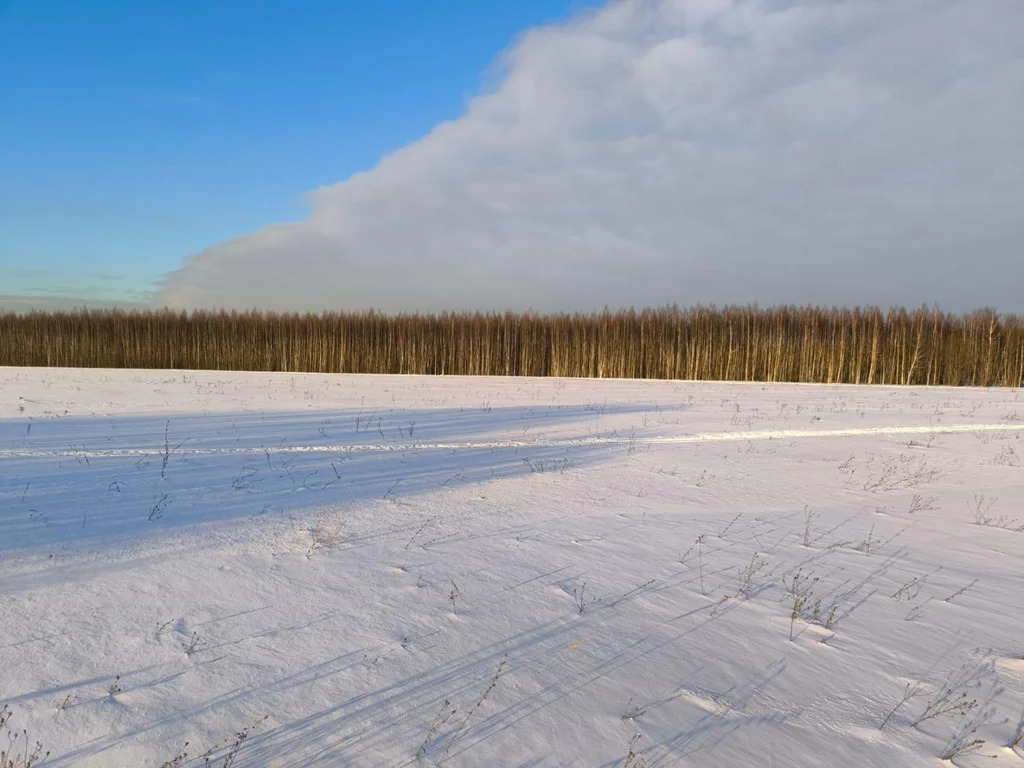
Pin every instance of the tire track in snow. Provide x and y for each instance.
(571, 442)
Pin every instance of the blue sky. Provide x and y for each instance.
(135, 133)
(205, 154)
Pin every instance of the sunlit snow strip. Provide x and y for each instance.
(701, 437)
(786, 434)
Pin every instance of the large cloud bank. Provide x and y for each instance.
(690, 151)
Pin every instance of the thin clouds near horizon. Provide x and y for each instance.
(684, 151)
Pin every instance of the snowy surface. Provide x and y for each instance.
(405, 571)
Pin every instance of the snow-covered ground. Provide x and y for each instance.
(406, 571)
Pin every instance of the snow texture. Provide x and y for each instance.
(414, 571)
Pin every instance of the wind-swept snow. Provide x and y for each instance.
(374, 570)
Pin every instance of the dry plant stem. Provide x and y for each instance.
(725, 530)
(168, 451)
(578, 595)
(632, 760)
(808, 519)
(912, 690)
(960, 591)
(446, 712)
(193, 644)
(946, 702)
(19, 752)
(745, 580)
(462, 727)
(686, 554)
(921, 503)
(982, 514)
(454, 595)
(235, 746)
(632, 592)
(157, 510)
(419, 530)
(961, 745)
(1017, 739)
(700, 561)
(981, 509)
(865, 546)
(178, 759)
(908, 590)
(631, 712)
(798, 606)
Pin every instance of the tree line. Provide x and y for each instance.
(795, 344)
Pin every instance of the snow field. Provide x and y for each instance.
(407, 571)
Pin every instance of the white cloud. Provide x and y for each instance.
(690, 151)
